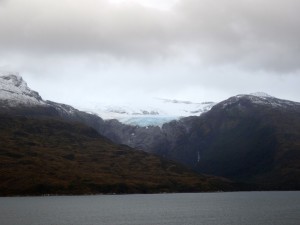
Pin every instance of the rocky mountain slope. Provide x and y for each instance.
(48, 156)
(14, 91)
(17, 99)
(47, 148)
(253, 139)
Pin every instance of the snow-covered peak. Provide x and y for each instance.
(255, 95)
(260, 98)
(261, 94)
(14, 91)
(13, 78)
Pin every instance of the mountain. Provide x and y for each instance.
(49, 148)
(252, 139)
(48, 156)
(150, 112)
(14, 91)
(17, 99)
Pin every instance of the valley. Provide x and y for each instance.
(247, 142)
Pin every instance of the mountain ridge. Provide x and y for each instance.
(50, 156)
(247, 138)
(52, 148)
(252, 139)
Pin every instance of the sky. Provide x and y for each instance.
(116, 51)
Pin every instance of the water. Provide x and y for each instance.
(241, 208)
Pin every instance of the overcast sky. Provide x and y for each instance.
(115, 51)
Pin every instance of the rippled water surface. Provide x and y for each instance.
(240, 208)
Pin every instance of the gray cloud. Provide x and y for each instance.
(256, 35)
(196, 50)
(80, 27)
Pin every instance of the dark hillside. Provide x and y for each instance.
(250, 139)
(49, 156)
(250, 142)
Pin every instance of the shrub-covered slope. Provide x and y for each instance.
(49, 156)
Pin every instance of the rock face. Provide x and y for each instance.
(250, 138)
(253, 139)
(14, 91)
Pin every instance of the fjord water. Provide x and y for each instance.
(240, 208)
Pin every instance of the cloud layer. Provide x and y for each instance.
(193, 43)
(261, 35)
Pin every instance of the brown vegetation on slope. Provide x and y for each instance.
(48, 156)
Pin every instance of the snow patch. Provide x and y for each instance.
(14, 90)
(261, 94)
(261, 98)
